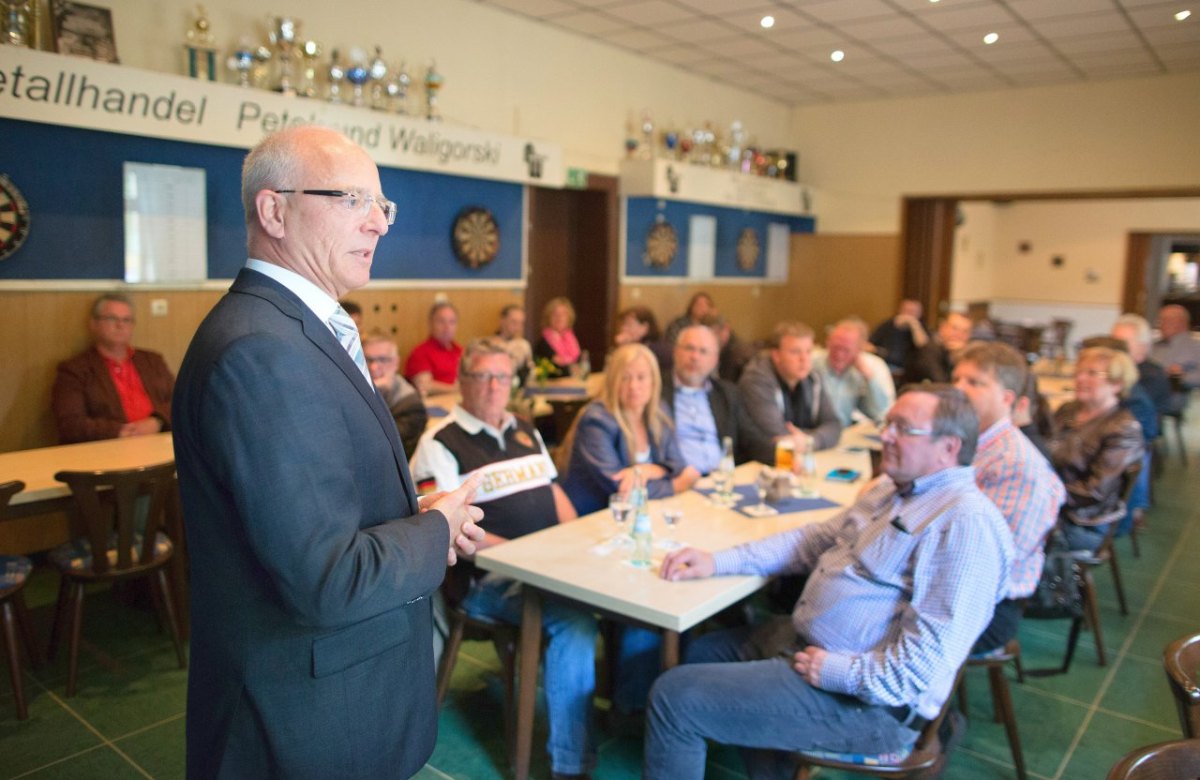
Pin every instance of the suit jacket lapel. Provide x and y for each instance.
(318, 333)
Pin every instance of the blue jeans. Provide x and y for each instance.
(726, 694)
(569, 672)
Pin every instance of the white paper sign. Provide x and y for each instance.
(165, 223)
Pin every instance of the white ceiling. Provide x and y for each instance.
(892, 47)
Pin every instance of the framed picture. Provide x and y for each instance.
(83, 30)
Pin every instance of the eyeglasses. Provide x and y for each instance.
(112, 319)
(387, 359)
(1093, 373)
(898, 428)
(354, 201)
(485, 377)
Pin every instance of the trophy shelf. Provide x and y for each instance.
(675, 180)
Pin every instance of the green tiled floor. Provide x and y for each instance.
(128, 717)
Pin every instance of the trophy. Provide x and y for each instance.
(337, 74)
(200, 48)
(309, 51)
(18, 29)
(282, 32)
(737, 142)
(433, 83)
(357, 74)
(397, 90)
(647, 144)
(377, 71)
(245, 61)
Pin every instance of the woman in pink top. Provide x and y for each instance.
(557, 342)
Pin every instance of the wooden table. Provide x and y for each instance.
(44, 494)
(563, 561)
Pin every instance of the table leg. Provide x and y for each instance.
(530, 655)
(670, 649)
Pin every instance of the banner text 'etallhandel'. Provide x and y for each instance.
(43, 87)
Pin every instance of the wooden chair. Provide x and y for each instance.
(1179, 760)
(14, 570)
(123, 514)
(1002, 704)
(925, 755)
(1179, 396)
(1181, 661)
(505, 637)
(1105, 553)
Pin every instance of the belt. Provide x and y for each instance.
(908, 717)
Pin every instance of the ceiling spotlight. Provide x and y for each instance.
(1179, 17)
(838, 55)
(767, 22)
(933, 1)
(991, 38)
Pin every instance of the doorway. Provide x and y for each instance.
(573, 252)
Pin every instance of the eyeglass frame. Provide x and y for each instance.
(907, 430)
(388, 207)
(486, 377)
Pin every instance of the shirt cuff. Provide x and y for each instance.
(836, 675)
(727, 562)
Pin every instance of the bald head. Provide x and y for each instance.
(1173, 320)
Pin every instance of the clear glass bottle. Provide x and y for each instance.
(724, 476)
(643, 539)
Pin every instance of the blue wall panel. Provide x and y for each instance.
(642, 213)
(72, 181)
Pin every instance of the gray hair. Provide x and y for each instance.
(1140, 326)
(954, 416)
(110, 297)
(481, 347)
(790, 328)
(857, 324)
(273, 164)
(379, 337)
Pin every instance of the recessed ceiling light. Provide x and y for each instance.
(1179, 17)
(838, 55)
(933, 1)
(991, 38)
(767, 22)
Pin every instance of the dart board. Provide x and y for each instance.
(748, 249)
(14, 218)
(475, 237)
(661, 245)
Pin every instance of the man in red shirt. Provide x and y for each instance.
(111, 389)
(432, 366)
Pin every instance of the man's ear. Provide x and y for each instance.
(270, 207)
(953, 446)
(1010, 399)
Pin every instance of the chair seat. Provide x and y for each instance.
(76, 555)
(860, 759)
(14, 570)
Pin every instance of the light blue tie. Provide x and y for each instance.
(347, 334)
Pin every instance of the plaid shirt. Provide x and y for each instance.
(899, 586)
(1023, 486)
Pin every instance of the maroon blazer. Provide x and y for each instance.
(85, 401)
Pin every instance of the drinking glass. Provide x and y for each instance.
(620, 506)
(766, 478)
(671, 516)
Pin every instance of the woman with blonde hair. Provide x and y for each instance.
(557, 343)
(626, 426)
(1093, 443)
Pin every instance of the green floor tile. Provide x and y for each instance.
(1046, 724)
(1109, 737)
(1156, 634)
(102, 762)
(158, 749)
(50, 733)
(1139, 689)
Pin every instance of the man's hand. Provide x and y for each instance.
(141, 427)
(649, 471)
(864, 366)
(807, 663)
(460, 516)
(687, 564)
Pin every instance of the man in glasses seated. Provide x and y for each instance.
(518, 496)
(111, 389)
(899, 586)
(402, 399)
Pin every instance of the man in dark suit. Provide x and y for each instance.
(111, 390)
(311, 560)
(704, 407)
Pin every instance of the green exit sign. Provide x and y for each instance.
(577, 178)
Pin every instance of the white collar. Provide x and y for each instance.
(313, 297)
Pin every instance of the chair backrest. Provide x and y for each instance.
(7, 491)
(1181, 661)
(114, 502)
(1177, 760)
(1128, 482)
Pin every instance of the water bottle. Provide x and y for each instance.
(643, 539)
(725, 471)
(585, 365)
(637, 493)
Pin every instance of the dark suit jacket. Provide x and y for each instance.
(311, 652)
(85, 401)
(723, 400)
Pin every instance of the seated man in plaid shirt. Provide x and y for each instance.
(899, 587)
(1011, 472)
